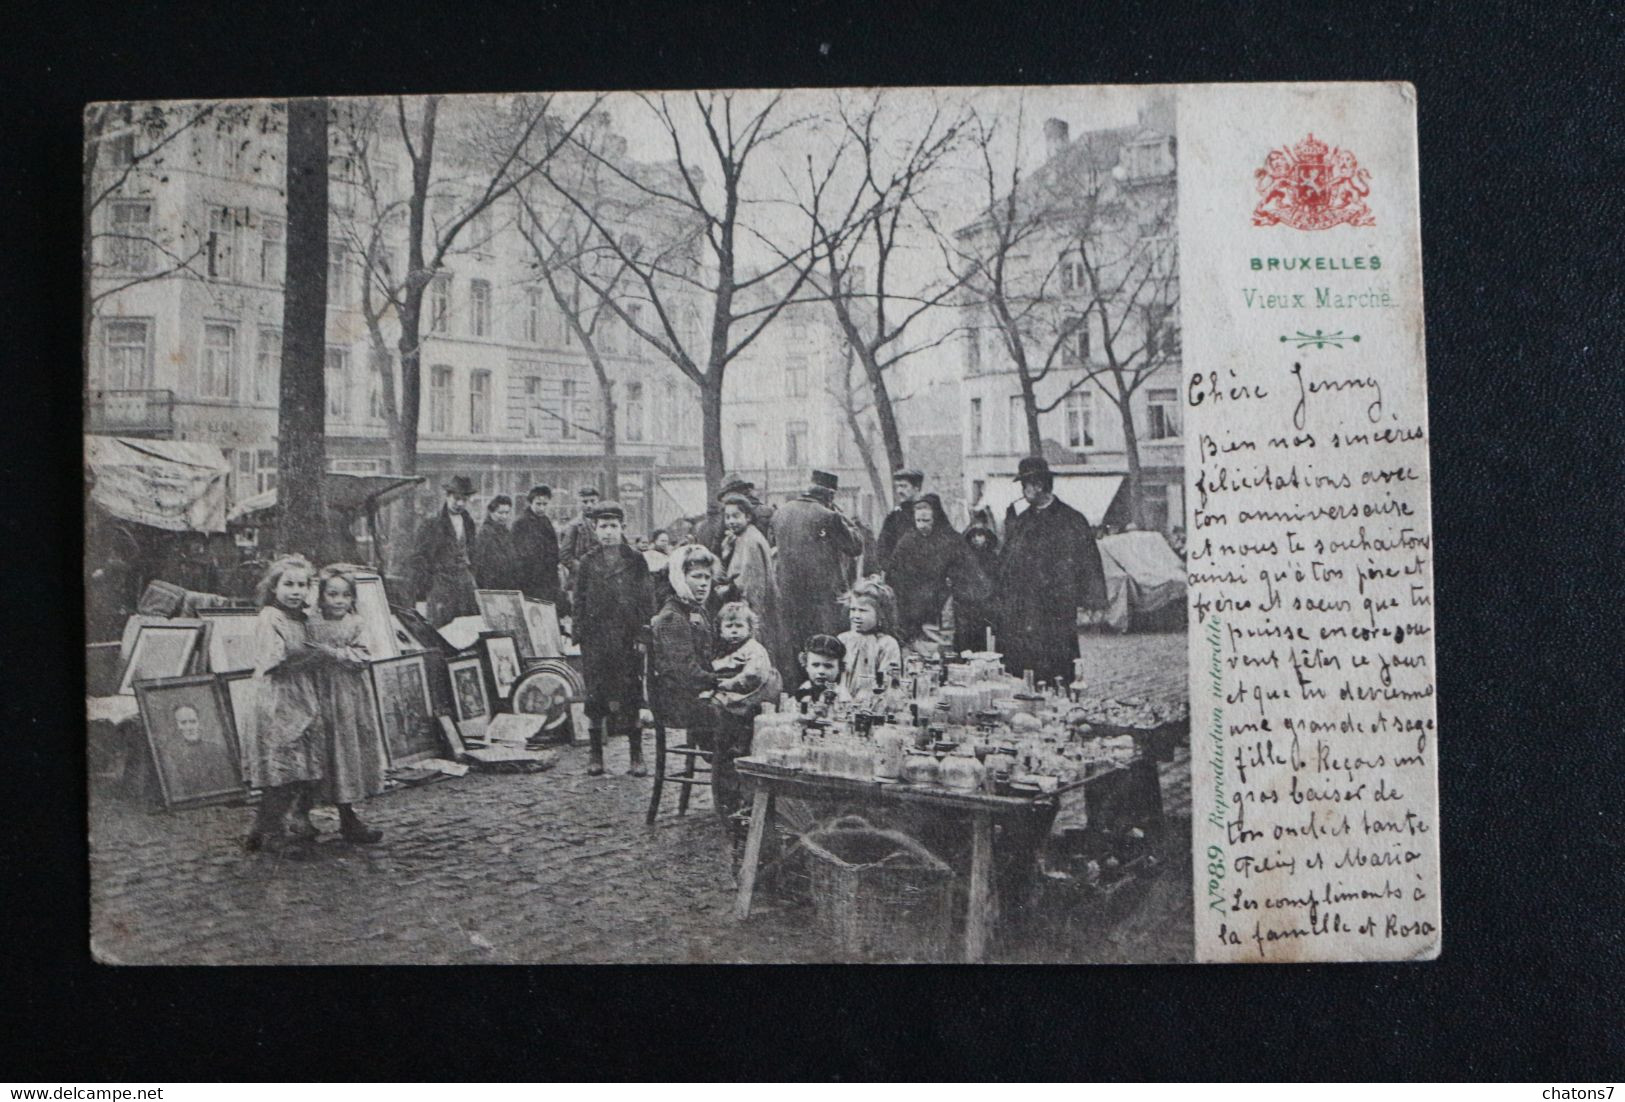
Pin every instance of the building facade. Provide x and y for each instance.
(1131, 173)
(187, 269)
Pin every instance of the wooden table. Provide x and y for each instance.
(770, 782)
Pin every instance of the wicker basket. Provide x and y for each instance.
(879, 892)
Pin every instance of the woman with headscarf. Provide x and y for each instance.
(973, 618)
(929, 567)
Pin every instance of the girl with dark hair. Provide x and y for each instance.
(496, 561)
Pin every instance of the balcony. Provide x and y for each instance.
(130, 413)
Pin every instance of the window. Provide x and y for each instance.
(795, 377)
(675, 421)
(1162, 254)
(1161, 338)
(338, 382)
(567, 409)
(218, 341)
(976, 426)
(973, 352)
(1162, 412)
(226, 156)
(273, 251)
(1017, 427)
(608, 331)
(535, 414)
(691, 333)
(1080, 420)
(264, 470)
(479, 403)
(795, 444)
(1075, 341)
(1148, 159)
(222, 244)
(479, 301)
(634, 411)
(1154, 506)
(439, 303)
(533, 315)
(267, 364)
(375, 388)
(338, 268)
(1073, 277)
(129, 249)
(121, 148)
(746, 453)
(440, 399)
(634, 343)
(126, 354)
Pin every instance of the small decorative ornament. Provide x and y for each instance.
(1312, 186)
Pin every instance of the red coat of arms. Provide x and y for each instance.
(1312, 186)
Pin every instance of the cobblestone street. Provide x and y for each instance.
(546, 867)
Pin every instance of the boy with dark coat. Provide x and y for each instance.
(614, 600)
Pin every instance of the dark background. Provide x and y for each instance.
(1521, 213)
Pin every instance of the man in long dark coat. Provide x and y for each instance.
(441, 568)
(906, 483)
(815, 541)
(537, 546)
(1050, 569)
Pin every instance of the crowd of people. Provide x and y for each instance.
(752, 601)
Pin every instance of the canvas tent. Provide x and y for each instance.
(171, 485)
(1143, 577)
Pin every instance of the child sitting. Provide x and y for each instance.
(871, 649)
(747, 680)
(822, 658)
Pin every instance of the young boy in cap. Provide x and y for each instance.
(822, 658)
(614, 601)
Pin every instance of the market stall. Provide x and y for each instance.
(966, 744)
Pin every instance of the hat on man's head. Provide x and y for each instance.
(459, 484)
(909, 474)
(587, 491)
(608, 510)
(1034, 466)
(823, 480)
(734, 484)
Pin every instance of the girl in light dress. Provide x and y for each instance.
(872, 650)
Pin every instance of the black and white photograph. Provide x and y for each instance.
(839, 430)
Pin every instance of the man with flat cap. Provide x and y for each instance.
(815, 542)
(577, 541)
(906, 484)
(1051, 568)
(441, 567)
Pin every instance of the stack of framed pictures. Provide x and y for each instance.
(228, 638)
(166, 649)
(503, 611)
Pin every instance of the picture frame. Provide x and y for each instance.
(499, 651)
(503, 611)
(454, 738)
(542, 621)
(161, 651)
(228, 638)
(240, 689)
(378, 621)
(190, 732)
(470, 694)
(551, 688)
(405, 710)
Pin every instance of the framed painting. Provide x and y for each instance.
(552, 689)
(228, 638)
(504, 611)
(405, 713)
(470, 697)
(240, 690)
(542, 621)
(161, 651)
(194, 746)
(499, 650)
(378, 622)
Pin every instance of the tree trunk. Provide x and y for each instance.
(889, 434)
(877, 482)
(302, 406)
(1131, 450)
(405, 449)
(610, 427)
(711, 431)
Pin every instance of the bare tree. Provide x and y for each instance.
(854, 399)
(1079, 240)
(441, 198)
(302, 400)
(701, 199)
(854, 263)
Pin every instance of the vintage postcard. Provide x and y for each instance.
(909, 524)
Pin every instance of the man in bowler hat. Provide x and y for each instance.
(441, 566)
(815, 543)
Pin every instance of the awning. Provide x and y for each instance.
(680, 496)
(1090, 494)
(345, 493)
(175, 485)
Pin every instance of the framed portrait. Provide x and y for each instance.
(405, 713)
(504, 611)
(500, 653)
(552, 689)
(188, 721)
(542, 621)
(228, 638)
(161, 651)
(378, 622)
(470, 697)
